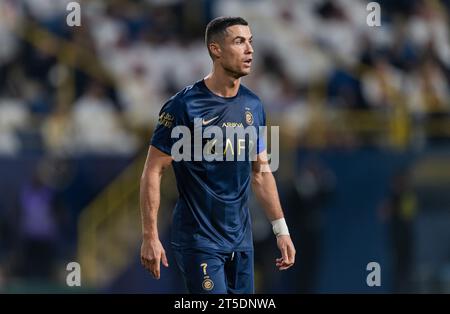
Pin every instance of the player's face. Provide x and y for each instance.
(236, 51)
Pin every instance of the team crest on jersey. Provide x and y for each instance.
(208, 284)
(248, 117)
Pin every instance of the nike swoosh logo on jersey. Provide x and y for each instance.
(205, 122)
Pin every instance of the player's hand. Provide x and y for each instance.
(287, 250)
(152, 253)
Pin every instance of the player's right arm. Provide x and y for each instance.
(152, 251)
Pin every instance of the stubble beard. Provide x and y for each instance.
(236, 74)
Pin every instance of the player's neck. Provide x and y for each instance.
(222, 84)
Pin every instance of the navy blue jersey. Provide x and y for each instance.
(212, 210)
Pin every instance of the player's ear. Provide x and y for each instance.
(215, 49)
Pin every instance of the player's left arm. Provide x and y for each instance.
(265, 189)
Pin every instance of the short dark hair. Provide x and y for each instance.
(217, 28)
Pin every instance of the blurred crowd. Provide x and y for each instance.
(98, 88)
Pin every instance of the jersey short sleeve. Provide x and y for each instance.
(261, 144)
(170, 116)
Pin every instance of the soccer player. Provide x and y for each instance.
(211, 230)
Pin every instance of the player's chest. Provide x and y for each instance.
(225, 116)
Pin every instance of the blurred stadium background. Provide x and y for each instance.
(364, 116)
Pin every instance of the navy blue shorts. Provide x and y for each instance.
(213, 272)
